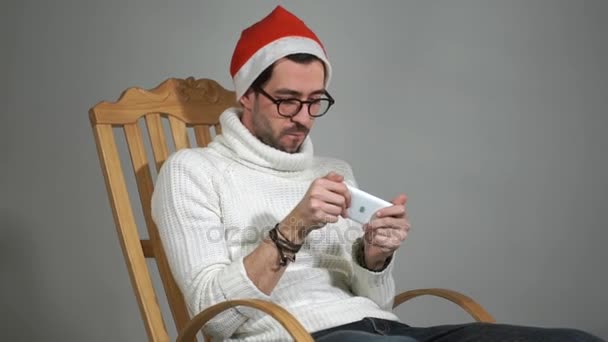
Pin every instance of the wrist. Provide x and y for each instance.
(293, 229)
(376, 263)
(369, 258)
(286, 248)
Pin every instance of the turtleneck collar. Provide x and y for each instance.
(238, 139)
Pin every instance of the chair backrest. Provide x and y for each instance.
(187, 105)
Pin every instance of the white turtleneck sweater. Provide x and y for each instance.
(213, 206)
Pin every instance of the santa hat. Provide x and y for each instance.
(277, 35)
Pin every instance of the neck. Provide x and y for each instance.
(249, 148)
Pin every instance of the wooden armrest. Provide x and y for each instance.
(290, 323)
(469, 305)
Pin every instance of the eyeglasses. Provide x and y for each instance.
(291, 107)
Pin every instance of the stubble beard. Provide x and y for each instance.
(263, 131)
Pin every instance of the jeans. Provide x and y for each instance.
(374, 329)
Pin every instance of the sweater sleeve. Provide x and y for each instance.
(186, 210)
(377, 286)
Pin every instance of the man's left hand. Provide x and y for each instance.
(385, 233)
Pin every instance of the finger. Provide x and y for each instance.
(399, 200)
(328, 209)
(334, 176)
(330, 219)
(386, 222)
(325, 214)
(326, 195)
(387, 244)
(347, 196)
(340, 189)
(399, 234)
(394, 211)
(400, 229)
(396, 235)
(343, 191)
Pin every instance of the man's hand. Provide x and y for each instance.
(385, 232)
(327, 198)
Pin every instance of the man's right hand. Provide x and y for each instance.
(327, 198)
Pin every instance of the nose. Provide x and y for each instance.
(302, 116)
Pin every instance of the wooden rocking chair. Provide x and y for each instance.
(187, 104)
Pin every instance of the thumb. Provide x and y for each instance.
(333, 176)
(399, 200)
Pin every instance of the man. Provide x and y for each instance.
(256, 215)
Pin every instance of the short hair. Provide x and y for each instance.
(301, 58)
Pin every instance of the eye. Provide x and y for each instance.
(290, 102)
(315, 103)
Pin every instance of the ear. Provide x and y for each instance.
(247, 100)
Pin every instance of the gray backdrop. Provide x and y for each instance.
(490, 115)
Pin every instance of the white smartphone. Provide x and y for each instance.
(363, 205)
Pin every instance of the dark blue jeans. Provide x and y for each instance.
(375, 329)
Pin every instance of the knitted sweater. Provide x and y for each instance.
(213, 207)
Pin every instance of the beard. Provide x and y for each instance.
(264, 132)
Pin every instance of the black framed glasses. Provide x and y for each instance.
(291, 106)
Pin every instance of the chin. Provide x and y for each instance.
(291, 148)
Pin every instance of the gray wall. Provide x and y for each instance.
(490, 115)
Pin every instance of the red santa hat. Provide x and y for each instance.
(279, 34)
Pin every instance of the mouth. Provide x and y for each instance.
(298, 134)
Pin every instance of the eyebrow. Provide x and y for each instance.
(287, 91)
